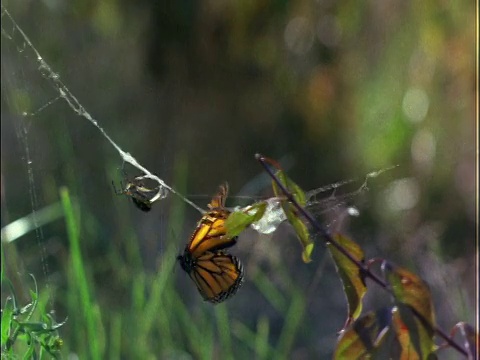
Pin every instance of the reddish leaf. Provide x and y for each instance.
(415, 331)
(410, 290)
(414, 342)
(365, 338)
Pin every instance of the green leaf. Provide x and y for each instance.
(33, 295)
(50, 322)
(34, 303)
(239, 220)
(13, 298)
(7, 315)
(30, 354)
(353, 283)
(26, 308)
(2, 259)
(292, 213)
(300, 229)
(34, 327)
(291, 186)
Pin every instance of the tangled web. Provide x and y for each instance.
(12, 32)
(25, 71)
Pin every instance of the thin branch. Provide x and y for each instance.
(327, 237)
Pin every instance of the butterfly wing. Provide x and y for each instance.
(217, 275)
(210, 235)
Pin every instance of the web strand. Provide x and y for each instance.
(64, 93)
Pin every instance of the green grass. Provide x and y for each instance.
(82, 294)
(154, 320)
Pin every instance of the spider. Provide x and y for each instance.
(142, 197)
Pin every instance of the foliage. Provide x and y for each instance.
(410, 323)
(331, 89)
(21, 334)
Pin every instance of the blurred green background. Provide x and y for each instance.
(333, 90)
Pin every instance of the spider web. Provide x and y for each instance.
(14, 92)
(26, 51)
(22, 119)
(26, 72)
(64, 94)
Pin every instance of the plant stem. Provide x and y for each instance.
(327, 237)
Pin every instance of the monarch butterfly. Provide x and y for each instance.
(217, 274)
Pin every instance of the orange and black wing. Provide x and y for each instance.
(217, 275)
(210, 234)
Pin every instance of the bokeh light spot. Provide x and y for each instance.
(403, 194)
(353, 211)
(328, 31)
(423, 147)
(415, 104)
(298, 36)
